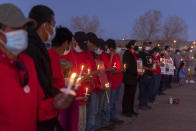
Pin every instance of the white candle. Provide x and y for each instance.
(71, 80)
(81, 70)
(125, 66)
(77, 83)
(89, 71)
(114, 66)
(86, 92)
(98, 67)
(107, 85)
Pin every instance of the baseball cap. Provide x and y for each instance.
(12, 16)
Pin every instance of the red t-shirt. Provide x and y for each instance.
(156, 60)
(20, 111)
(83, 60)
(57, 72)
(116, 79)
(96, 82)
(106, 60)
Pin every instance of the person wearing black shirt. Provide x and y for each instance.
(129, 79)
(145, 84)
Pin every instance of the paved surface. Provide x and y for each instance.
(165, 117)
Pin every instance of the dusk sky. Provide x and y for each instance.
(116, 16)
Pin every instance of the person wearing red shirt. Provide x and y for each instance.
(84, 66)
(156, 74)
(92, 106)
(103, 65)
(116, 80)
(60, 44)
(129, 79)
(22, 100)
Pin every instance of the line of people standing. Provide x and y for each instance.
(37, 88)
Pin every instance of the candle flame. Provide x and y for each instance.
(125, 66)
(73, 75)
(107, 85)
(82, 67)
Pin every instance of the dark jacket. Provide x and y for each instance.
(38, 52)
(130, 75)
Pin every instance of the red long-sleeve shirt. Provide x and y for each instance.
(57, 72)
(20, 111)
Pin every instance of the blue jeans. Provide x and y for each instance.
(145, 88)
(114, 98)
(155, 86)
(92, 110)
(101, 114)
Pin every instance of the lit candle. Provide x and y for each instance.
(71, 80)
(114, 66)
(77, 83)
(81, 70)
(125, 66)
(189, 69)
(86, 92)
(107, 85)
(89, 71)
(98, 67)
(174, 67)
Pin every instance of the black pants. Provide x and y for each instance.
(49, 125)
(128, 98)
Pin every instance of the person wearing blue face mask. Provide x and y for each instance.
(37, 38)
(22, 100)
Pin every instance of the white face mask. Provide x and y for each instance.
(118, 50)
(51, 36)
(108, 51)
(157, 54)
(77, 49)
(147, 48)
(17, 41)
(98, 51)
(178, 53)
(66, 51)
(191, 51)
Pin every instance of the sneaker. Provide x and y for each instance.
(135, 113)
(187, 81)
(117, 121)
(148, 107)
(108, 127)
(192, 81)
(127, 114)
(143, 108)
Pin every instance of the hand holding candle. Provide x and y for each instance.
(71, 80)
